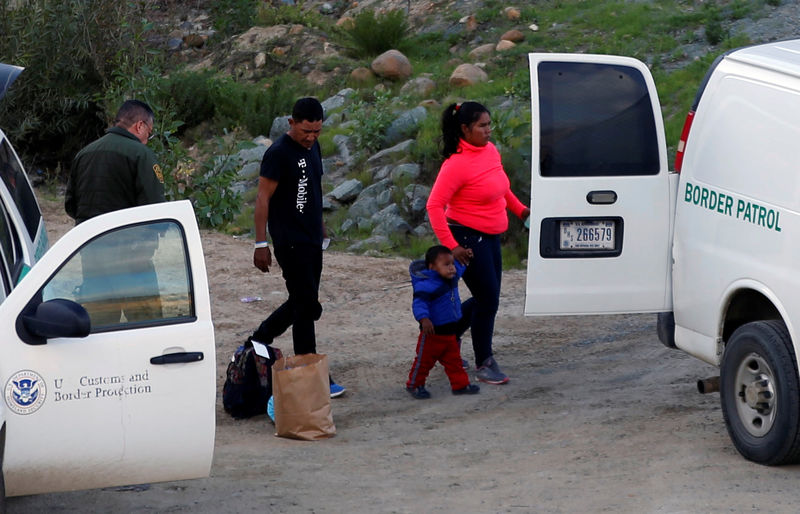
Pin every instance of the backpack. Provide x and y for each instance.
(248, 382)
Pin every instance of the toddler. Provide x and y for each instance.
(442, 319)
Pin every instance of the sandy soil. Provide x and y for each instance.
(597, 417)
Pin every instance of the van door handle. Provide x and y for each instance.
(177, 358)
(601, 197)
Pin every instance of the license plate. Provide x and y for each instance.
(587, 235)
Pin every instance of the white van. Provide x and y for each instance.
(713, 246)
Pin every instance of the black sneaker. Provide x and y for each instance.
(470, 389)
(420, 393)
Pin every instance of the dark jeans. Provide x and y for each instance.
(302, 268)
(483, 277)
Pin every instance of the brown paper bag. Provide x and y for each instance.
(302, 397)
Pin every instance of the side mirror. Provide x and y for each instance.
(54, 318)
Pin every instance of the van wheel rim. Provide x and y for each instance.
(756, 400)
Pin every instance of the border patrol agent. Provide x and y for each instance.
(115, 172)
(118, 170)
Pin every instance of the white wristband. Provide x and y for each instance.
(262, 244)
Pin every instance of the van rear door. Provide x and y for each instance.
(602, 196)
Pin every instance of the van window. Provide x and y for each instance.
(14, 178)
(596, 120)
(131, 277)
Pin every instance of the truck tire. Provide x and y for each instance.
(760, 393)
(665, 327)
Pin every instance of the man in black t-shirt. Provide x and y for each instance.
(289, 203)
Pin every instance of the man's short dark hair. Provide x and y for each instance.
(434, 252)
(132, 111)
(308, 109)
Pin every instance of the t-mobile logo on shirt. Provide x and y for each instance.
(302, 183)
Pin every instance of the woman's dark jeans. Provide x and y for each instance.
(483, 278)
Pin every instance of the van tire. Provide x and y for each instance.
(760, 393)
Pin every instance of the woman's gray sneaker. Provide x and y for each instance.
(490, 373)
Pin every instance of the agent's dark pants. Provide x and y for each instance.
(483, 277)
(302, 267)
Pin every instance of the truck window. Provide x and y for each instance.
(596, 120)
(14, 178)
(10, 254)
(131, 277)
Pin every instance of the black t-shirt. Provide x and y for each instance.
(295, 209)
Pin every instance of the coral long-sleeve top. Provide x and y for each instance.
(472, 189)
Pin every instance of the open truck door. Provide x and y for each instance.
(602, 196)
(95, 396)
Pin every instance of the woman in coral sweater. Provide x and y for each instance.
(467, 210)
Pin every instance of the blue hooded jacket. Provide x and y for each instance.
(434, 297)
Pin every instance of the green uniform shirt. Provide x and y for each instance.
(115, 172)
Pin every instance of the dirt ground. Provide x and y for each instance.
(598, 415)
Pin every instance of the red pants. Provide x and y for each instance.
(442, 348)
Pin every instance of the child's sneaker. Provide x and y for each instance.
(465, 364)
(420, 393)
(490, 373)
(337, 390)
(470, 389)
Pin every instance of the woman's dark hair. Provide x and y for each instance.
(453, 117)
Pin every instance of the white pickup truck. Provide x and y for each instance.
(84, 406)
(712, 246)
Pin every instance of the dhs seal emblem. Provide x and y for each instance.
(25, 392)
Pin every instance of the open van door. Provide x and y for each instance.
(602, 196)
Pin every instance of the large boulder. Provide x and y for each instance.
(394, 154)
(372, 242)
(280, 126)
(417, 197)
(405, 125)
(467, 75)
(347, 190)
(482, 52)
(420, 86)
(392, 65)
(390, 221)
(512, 13)
(408, 171)
(363, 208)
(505, 44)
(513, 35)
(362, 74)
(337, 100)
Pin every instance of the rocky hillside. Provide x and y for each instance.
(377, 192)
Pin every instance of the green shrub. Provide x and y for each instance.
(209, 186)
(268, 15)
(373, 34)
(199, 97)
(193, 94)
(71, 52)
(427, 152)
(372, 116)
(232, 16)
(715, 33)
